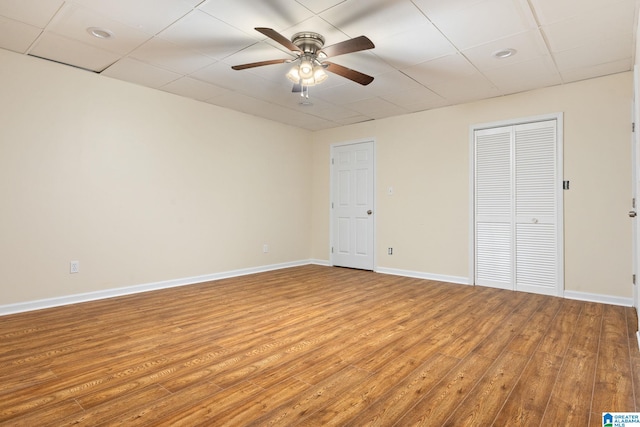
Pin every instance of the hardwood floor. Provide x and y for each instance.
(318, 345)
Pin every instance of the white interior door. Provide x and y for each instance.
(352, 216)
(517, 205)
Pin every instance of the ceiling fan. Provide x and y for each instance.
(312, 54)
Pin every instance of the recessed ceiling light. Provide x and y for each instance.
(101, 33)
(504, 53)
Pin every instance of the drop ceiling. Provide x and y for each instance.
(428, 53)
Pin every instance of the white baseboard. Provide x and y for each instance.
(581, 296)
(116, 292)
(420, 275)
(603, 299)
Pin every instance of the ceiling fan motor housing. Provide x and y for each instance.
(308, 42)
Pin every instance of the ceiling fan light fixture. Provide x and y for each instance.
(308, 82)
(306, 74)
(319, 75)
(294, 74)
(306, 69)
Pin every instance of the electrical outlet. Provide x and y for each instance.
(74, 267)
(390, 251)
(265, 248)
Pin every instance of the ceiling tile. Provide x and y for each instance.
(439, 7)
(401, 50)
(342, 94)
(376, 19)
(261, 108)
(315, 24)
(208, 35)
(549, 11)
(236, 101)
(483, 22)
(301, 103)
(134, 71)
(72, 22)
(192, 88)
(522, 76)
(170, 56)
(440, 71)
(320, 125)
(528, 45)
(614, 21)
(452, 77)
(266, 90)
(601, 52)
(330, 111)
(262, 51)
(393, 82)
(317, 6)
(221, 74)
(248, 14)
(350, 120)
(425, 105)
(414, 97)
(55, 47)
(291, 117)
(17, 36)
(582, 73)
(33, 12)
(376, 108)
(470, 88)
(274, 74)
(365, 62)
(150, 16)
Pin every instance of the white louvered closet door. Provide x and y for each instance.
(494, 208)
(516, 208)
(536, 184)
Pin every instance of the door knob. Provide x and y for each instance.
(369, 212)
(633, 214)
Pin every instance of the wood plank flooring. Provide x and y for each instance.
(315, 346)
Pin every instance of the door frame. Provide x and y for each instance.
(635, 177)
(331, 195)
(559, 118)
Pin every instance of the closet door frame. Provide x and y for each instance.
(558, 117)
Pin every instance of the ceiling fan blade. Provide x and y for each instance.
(259, 64)
(348, 73)
(297, 88)
(352, 45)
(276, 36)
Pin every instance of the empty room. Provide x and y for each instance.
(337, 212)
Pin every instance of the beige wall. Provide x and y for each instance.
(138, 185)
(425, 157)
(142, 186)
